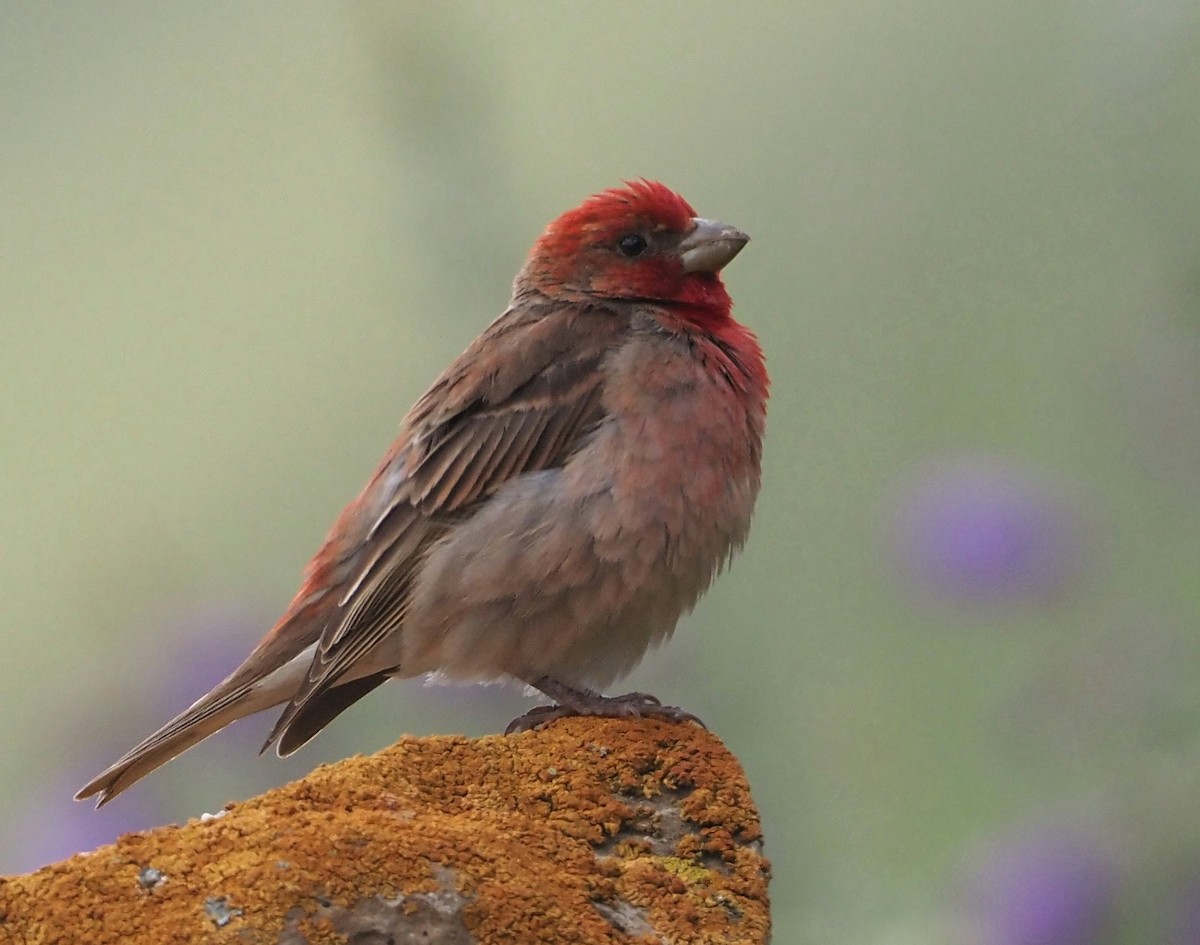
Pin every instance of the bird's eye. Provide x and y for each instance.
(632, 245)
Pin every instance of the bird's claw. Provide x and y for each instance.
(538, 715)
(631, 705)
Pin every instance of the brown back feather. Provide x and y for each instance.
(517, 401)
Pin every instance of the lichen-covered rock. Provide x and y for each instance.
(587, 831)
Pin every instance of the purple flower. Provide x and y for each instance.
(50, 826)
(208, 642)
(1186, 926)
(1047, 887)
(979, 530)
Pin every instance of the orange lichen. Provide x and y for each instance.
(590, 831)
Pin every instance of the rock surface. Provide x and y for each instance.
(587, 831)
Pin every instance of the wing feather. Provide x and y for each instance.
(518, 400)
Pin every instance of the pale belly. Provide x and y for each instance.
(576, 572)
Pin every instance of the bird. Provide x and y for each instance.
(562, 494)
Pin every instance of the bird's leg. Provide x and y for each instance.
(570, 700)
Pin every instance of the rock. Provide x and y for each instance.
(586, 831)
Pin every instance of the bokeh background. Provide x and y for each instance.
(959, 658)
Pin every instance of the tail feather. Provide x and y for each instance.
(210, 714)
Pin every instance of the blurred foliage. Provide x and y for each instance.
(239, 240)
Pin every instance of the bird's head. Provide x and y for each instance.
(640, 242)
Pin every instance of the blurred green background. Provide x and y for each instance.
(958, 657)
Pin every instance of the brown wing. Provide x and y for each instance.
(516, 401)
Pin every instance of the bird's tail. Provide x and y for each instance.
(211, 713)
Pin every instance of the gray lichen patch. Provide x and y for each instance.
(626, 918)
(428, 918)
(220, 911)
(656, 825)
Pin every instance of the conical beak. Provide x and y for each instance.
(710, 245)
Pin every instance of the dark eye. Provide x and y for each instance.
(632, 245)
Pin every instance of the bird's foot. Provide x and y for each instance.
(571, 701)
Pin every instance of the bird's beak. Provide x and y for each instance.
(709, 245)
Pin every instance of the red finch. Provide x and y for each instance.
(564, 492)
